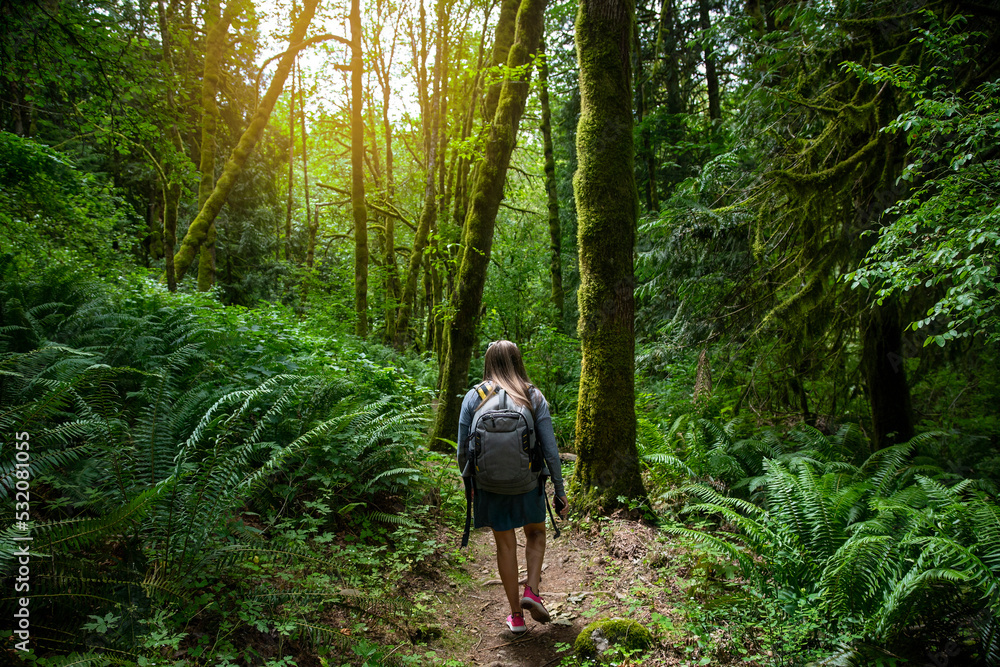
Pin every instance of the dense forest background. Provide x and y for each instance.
(252, 253)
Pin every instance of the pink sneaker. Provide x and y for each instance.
(533, 603)
(516, 623)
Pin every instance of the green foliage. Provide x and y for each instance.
(160, 430)
(552, 360)
(944, 234)
(49, 207)
(690, 257)
(884, 547)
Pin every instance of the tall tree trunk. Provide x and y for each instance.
(477, 240)
(434, 315)
(418, 46)
(460, 196)
(392, 275)
(172, 188)
(358, 178)
(217, 28)
(291, 169)
(606, 199)
(885, 374)
(711, 78)
(652, 193)
(666, 46)
(429, 211)
(310, 253)
(442, 103)
(427, 216)
(430, 298)
(382, 68)
(198, 230)
(305, 150)
(311, 247)
(506, 25)
(171, 203)
(555, 232)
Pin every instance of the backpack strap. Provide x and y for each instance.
(541, 489)
(485, 390)
(470, 486)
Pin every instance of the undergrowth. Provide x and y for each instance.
(840, 554)
(208, 485)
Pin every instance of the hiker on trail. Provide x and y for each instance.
(506, 449)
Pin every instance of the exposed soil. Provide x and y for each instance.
(588, 574)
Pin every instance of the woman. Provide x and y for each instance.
(504, 369)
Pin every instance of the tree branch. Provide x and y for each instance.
(519, 210)
(298, 47)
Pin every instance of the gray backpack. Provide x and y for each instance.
(501, 454)
(502, 451)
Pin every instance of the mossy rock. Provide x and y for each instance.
(600, 635)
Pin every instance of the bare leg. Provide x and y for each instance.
(534, 552)
(507, 566)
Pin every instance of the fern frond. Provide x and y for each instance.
(77, 534)
(670, 462)
(751, 570)
(394, 519)
(395, 472)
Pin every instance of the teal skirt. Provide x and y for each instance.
(503, 512)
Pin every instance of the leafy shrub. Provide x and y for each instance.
(889, 549)
(161, 427)
(49, 208)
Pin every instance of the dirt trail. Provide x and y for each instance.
(585, 577)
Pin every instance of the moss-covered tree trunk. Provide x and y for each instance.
(506, 32)
(665, 55)
(427, 215)
(198, 231)
(464, 167)
(435, 315)
(555, 232)
(477, 240)
(606, 203)
(358, 207)
(215, 45)
(506, 25)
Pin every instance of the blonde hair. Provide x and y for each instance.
(504, 367)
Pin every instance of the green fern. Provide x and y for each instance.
(152, 454)
(888, 542)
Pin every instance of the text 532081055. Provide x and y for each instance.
(22, 518)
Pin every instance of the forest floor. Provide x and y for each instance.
(614, 569)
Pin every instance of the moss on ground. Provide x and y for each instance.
(622, 632)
